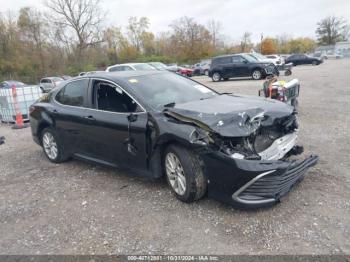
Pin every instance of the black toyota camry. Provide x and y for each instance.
(236, 149)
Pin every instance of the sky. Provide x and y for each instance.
(270, 18)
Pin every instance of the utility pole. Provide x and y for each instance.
(261, 40)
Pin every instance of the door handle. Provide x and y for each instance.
(89, 117)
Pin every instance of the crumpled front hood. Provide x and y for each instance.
(230, 115)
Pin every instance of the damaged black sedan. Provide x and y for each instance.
(236, 149)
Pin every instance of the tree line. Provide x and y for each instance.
(70, 37)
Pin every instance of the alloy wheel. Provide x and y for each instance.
(256, 74)
(216, 77)
(175, 173)
(50, 146)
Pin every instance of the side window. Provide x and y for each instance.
(109, 97)
(237, 59)
(73, 94)
(225, 60)
(127, 68)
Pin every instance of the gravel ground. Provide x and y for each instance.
(80, 208)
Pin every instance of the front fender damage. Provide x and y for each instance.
(246, 156)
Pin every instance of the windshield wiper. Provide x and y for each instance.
(172, 104)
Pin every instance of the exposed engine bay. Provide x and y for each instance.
(258, 136)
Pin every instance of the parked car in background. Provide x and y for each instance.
(333, 56)
(202, 68)
(48, 83)
(158, 65)
(66, 77)
(173, 68)
(240, 65)
(185, 70)
(235, 148)
(130, 67)
(300, 59)
(277, 59)
(263, 58)
(11, 83)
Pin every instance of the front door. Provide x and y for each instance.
(116, 126)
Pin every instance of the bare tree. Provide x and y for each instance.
(77, 21)
(192, 41)
(215, 28)
(136, 29)
(246, 42)
(331, 30)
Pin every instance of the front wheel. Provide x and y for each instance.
(184, 174)
(256, 75)
(216, 77)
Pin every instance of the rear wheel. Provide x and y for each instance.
(184, 173)
(256, 75)
(216, 77)
(52, 146)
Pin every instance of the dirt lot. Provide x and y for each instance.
(76, 208)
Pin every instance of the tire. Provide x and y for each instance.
(52, 147)
(216, 77)
(257, 75)
(184, 175)
(206, 72)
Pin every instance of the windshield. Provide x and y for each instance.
(143, 67)
(158, 65)
(158, 90)
(250, 57)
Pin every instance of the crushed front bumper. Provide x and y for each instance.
(252, 183)
(269, 187)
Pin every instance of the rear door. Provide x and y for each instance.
(240, 66)
(227, 66)
(115, 126)
(68, 113)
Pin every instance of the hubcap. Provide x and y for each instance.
(256, 74)
(175, 173)
(216, 77)
(50, 145)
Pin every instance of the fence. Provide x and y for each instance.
(24, 97)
